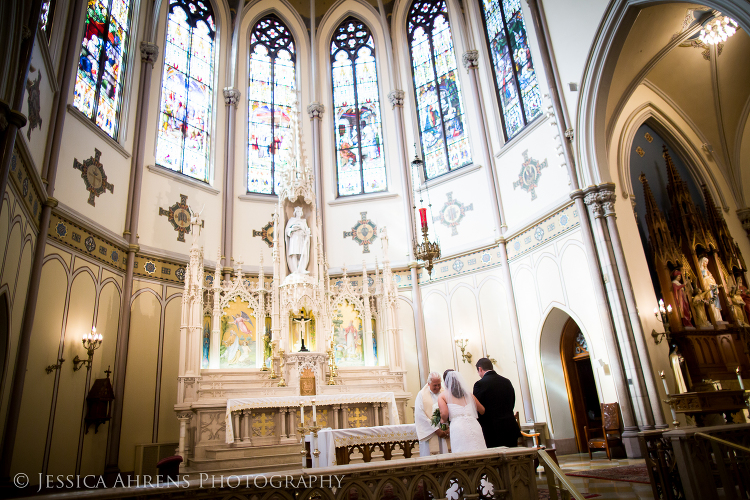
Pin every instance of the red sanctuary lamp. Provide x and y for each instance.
(427, 251)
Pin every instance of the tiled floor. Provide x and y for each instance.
(606, 489)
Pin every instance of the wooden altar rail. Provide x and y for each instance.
(684, 465)
(344, 453)
(497, 473)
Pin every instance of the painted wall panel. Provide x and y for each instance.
(465, 318)
(169, 426)
(409, 339)
(437, 326)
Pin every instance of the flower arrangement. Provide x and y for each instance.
(435, 420)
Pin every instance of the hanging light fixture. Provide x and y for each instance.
(427, 251)
(718, 30)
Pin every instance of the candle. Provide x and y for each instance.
(313, 415)
(739, 378)
(302, 412)
(664, 381)
(423, 216)
(666, 390)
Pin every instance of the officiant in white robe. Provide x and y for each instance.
(432, 441)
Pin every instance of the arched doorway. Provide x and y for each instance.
(579, 382)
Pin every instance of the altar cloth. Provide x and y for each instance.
(320, 400)
(330, 439)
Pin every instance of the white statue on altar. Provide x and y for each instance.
(297, 243)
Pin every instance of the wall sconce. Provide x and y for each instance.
(91, 342)
(661, 314)
(462, 342)
(52, 368)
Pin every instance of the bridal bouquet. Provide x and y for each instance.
(435, 420)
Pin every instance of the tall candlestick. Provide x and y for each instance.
(423, 216)
(313, 415)
(739, 378)
(302, 412)
(666, 390)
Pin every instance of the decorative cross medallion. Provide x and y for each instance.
(531, 171)
(263, 425)
(266, 233)
(363, 232)
(357, 418)
(452, 213)
(179, 215)
(92, 173)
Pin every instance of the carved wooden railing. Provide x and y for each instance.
(697, 463)
(344, 453)
(557, 482)
(495, 474)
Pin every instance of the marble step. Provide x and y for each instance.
(249, 451)
(269, 462)
(202, 473)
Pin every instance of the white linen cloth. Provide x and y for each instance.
(330, 439)
(320, 400)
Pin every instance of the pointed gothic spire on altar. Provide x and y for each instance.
(365, 284)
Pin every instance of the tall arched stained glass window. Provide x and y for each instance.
(272, 94)
(356, 110)
(184, 142)
(101, 66)
(514, 71)
(445, 142)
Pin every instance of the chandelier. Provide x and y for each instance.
(427, 251)
(718, 30)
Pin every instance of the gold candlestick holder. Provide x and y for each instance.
(273, 362)
(282, 382)
(332, 368)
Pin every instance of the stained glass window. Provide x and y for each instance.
(47, 16)
(271, 96)
(356, 107)
(514, 71)
(101, 66)
(184, 141)
(445, 141)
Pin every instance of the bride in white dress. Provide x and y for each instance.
(458, 404)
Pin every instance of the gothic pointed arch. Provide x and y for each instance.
(358, 133)
(102, 62)
(440, 108)
(515, 79)
(272, 97)
(184, 139)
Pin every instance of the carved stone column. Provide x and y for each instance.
(375, 415)
(471, 63)
(231, 100)
(397, 102)
(606, 196)
(316, 110)
(184, 418)
(345, 416)
(236, 426)
(620, 349)
(335, 424)
(744, 216)
(283, 415)
(246, 429)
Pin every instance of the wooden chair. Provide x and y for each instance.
(610, 431)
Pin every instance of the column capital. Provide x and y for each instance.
(397, 98)
(606, 197)
(591, 199)
(316, 110)
(149, 53)
(471, 59)
(231, 96)
(185, 416)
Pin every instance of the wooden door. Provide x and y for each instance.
(579, 382)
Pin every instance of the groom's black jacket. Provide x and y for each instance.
(499, 425)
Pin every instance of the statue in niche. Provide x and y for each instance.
(698, 303)
(737, 303)
(711, 289)
(745, 294)
(297, 243)
(680, 298)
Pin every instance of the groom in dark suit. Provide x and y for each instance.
(496, 394)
